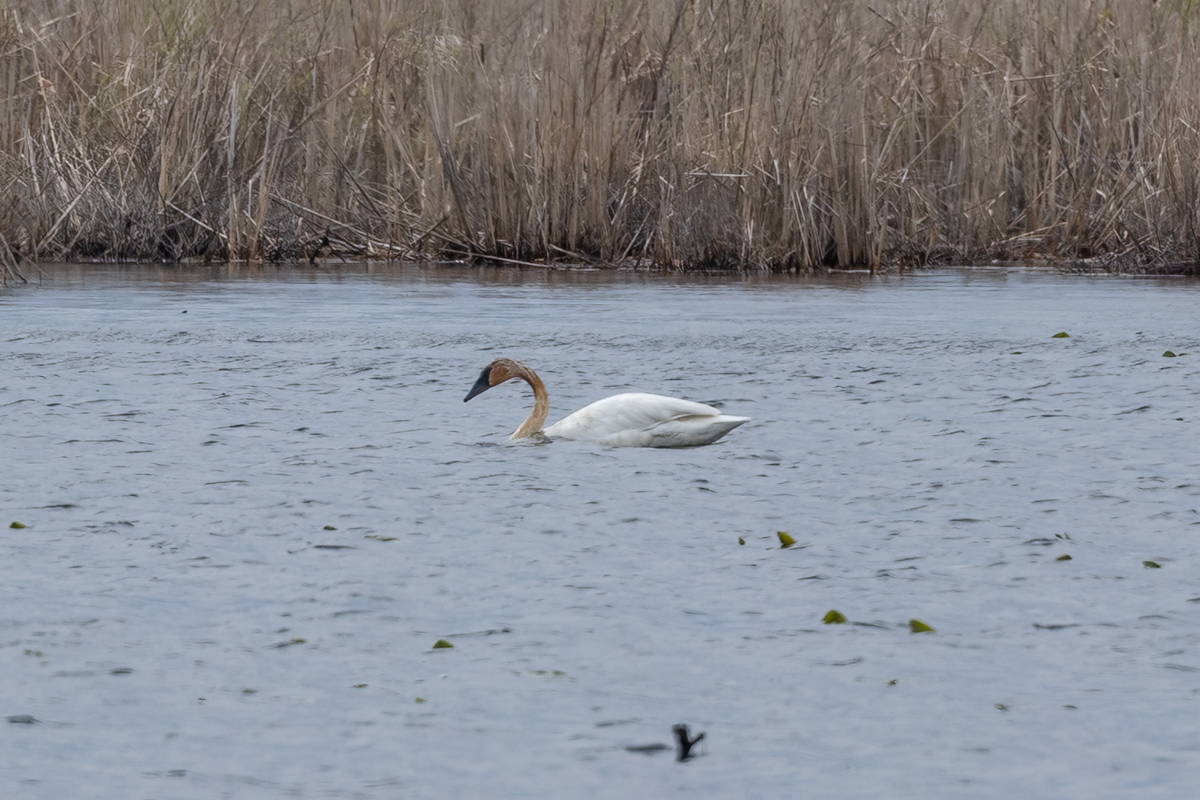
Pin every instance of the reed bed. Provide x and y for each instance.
(748, 134)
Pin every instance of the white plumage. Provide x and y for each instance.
(623, 420)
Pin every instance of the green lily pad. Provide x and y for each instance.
(1151, 565)
(17, 525)
(441, 644)
(1168, 354)
(1063, 557)
(1061, 335)
(916, 626)
(833, 617)
(785, 539)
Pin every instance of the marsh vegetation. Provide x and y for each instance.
(755, 134)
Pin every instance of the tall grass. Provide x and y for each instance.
(754, 134)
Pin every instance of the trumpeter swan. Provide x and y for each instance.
(623, 420)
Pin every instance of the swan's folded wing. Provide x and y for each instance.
(646, 420)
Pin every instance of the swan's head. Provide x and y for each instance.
(496, 373)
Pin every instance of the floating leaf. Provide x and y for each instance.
(359, 686)
(1063, 557)
(785, 539)
(833, 617)
(1061, 335)
(1168, 354)
(21, 719)
(741, 540)
(916, 626)
(441, 644)
(893, 681)
(1001, 707)
(329, 528)
(420, 699)
(1062, 536)
(290, 642)
(1070, 707)
(1151, 565)
(17, 525)
(379, 538)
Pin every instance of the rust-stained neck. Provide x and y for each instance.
(503, 369)
(536, 420)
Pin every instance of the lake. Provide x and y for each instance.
(254, 500)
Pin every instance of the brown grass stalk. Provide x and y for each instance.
(749, 134)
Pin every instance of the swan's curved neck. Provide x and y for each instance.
(536, 420)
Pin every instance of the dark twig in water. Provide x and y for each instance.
(686, 743)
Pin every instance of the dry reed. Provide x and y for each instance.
(756, 134)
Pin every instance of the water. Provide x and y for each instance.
(255, 500)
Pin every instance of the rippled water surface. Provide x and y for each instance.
(255, 500)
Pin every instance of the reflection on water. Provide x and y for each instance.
(218, 463)
(70, 275)
(83, 274)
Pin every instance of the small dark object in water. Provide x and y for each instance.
(685, 741)
(312, 260)
(21, 719)
(647, 748)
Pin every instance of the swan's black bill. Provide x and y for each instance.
(481, 385)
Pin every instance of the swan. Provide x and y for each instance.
(623, 420)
